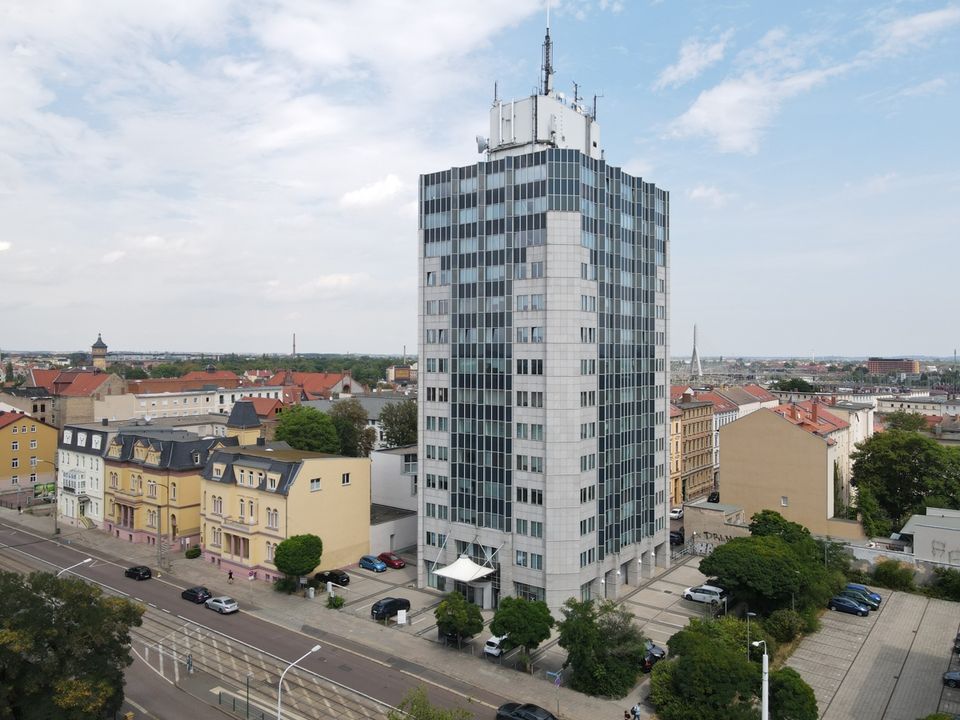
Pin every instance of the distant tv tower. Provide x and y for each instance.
(696, 369)
(294, 344)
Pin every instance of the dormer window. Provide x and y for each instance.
(196, 458)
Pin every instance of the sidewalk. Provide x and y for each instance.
(417, 656)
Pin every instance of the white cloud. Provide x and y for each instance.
(929, 87)
(695, 57)
(373, 193)
(5, 245)
(710, 195)
(904, 34)
(873, 185)
(639, 167)
(113, 256)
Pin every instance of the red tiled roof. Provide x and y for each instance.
(315, 384)
(675, 411)
(720, 403)
(759, 393)
(677, 391)
(84, 384)
(210, 376)
(9, 418)
(802, 415)
(264, 407)
(43, 378)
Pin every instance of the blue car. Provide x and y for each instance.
(369, 562)
(866, 591)
(848, 605)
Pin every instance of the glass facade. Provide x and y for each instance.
(487, 224)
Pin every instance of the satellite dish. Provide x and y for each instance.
(482, 143)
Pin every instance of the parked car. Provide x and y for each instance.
(952, 678)
(705, 594)
(138, 572)
(676, 537)
(494, 646)
(956, 643)
(388, 607)
(866, 591)
(222, 604)
(676, 513)
(861, 598)
(450, 637)
(527, 711)
(337, 577)
(197, 594)
(653, 655)
(369, 562)
(391, 560)
(848, 605)
(713, 497)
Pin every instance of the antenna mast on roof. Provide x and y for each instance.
(547, 58)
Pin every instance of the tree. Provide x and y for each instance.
(8, 372)
(298, 555)
(901, 420)
(897, 473)
(526, 622)
(797, 385)
(761, 571)
(730, 631)
(350, 421)
(416, 706)
(790, 697)
(604, 647)
(709, 679)
(63, 648)
(306, 428)
(399, 421)
(458, 617)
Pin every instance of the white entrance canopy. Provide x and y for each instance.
(464, 570)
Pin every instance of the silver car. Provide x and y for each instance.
(222, 604)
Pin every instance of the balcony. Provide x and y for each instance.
(129, 492)
(74, 483)
(240, 524)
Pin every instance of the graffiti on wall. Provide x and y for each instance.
(939, 553)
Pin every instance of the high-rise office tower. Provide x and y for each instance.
(544, 295)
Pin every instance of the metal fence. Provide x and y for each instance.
(239, 707)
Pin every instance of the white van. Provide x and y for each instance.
(494, 646)
(704, 594)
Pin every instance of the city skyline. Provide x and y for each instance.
(215, 177)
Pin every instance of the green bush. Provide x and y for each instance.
(285, 584)
(335, 602)
(811, 620)
(891, 574)
(192, 553)
(784, 625)
(946, 584)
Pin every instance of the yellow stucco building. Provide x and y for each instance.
(676, 456)
(152, 486)
(789, 459)
(255, 497)
(27, 451)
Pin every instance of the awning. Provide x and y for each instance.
(464, 570)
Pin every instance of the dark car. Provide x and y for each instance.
(197, 594)
(676, 537)
(950, 679)
(866, 591)
(652, 656)
(388, 607)
(451, 637)
(848, 605)
(861, 598)
(391, 560)
(337, 577)
(138, 572)
(527, 711)
(713, 497)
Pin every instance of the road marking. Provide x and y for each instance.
(139, 707)
(164, 610)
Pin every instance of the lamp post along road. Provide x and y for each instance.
(82, 562)
(315, 648)
(749, 615)
(765, 698)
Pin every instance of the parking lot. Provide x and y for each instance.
(888, 665)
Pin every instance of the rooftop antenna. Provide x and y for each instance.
(495, 97)
(576, 96)
(595, 96)
(547, 57)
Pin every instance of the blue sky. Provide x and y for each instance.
(214, 175)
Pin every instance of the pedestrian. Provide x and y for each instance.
(230, 576)
(636, 711)
(20, 509)
(626, 715)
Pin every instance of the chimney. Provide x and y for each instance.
(816, 411)
(261, 442)
(687, 397)
(794, 413)
(104, 422)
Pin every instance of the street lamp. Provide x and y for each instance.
(315, 648)
(765, 698)
(749, 615)
(82, 562)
